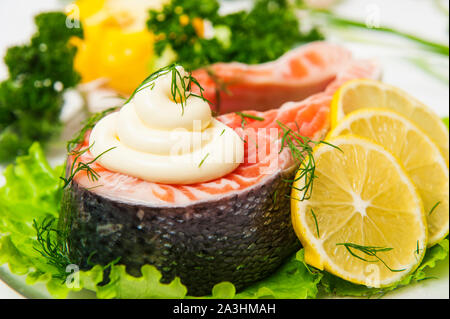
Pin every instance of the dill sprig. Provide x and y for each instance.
(316, 223)
(301, 148)
(180, 88)
(52, 245)
(274, 197)
(78, 166)
(418, 250)
(203, 160)
(371, 251)
(243, 117)
(433, 208)
(87, 125)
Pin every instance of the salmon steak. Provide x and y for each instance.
(236, 228)
(296, 75)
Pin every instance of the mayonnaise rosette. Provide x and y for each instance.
(167, 135)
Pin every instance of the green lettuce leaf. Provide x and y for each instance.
(33, 192)
(125, 286)
(293, 280)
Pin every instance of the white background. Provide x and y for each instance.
(420, 17)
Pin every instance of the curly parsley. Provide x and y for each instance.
(39, 72)
(263, 34)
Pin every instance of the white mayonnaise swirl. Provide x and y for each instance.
(155, 139)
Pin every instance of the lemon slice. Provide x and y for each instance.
(364, 220)
(419, 155)
(364, 93)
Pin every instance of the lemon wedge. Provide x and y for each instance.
(364, 93)
(419, 155)
(364, 221)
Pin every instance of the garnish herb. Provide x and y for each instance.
(274, 198)
(434, 208)
(315, 222)
(243, 117)
(78, 166)
(32, 97)
(242, 139)
(262, 34)
(223, 131)
(417, 250)
(181, 85)
(371, 251)
(301, 148)
(250, 116)
(52, 244)
(427, 278)
(203, 160)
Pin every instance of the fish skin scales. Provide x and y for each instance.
(236, 228)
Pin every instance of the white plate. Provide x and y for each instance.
(422, 17)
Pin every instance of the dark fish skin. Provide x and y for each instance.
(241, 238)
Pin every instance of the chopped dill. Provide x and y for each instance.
(52, 245)
(222, 132)
(417, 250)
(371, 251)
(203, 160)
(77, 166)
(301, 148)
(274, 198)
(426, 278)
(242, 139)
(180, 89)
(243, 117)
(315, 221)
(434, 208)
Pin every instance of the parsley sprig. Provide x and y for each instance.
(261, 34)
